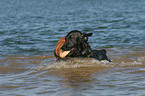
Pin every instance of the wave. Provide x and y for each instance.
(90, 62)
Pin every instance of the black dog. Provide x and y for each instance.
(101, 55)
(77, 43)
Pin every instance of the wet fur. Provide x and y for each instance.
(81, 48)
(79, 41)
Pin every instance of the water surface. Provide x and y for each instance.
(29, 31)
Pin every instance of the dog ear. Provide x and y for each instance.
(103, 50)
(88, 34)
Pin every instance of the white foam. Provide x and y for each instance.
(75, 63)
(133, 63)
(142, 59)
(88, 62)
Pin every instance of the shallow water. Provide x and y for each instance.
(29, 31)
(42, 75)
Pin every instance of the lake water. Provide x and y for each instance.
(30, 29)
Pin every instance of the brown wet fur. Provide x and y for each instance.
(58, 49)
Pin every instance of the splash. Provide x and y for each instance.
(75, 63)
(90, 62)
(139, 62)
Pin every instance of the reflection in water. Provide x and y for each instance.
(76, 80)
(77, 77)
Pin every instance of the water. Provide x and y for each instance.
(29, 31)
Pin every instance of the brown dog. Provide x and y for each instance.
(58, 52)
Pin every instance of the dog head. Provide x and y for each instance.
(74, 38)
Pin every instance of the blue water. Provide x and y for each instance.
(30, 29)
(34, 27)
